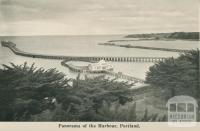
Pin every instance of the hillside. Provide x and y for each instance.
(174, 35)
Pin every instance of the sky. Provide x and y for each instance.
(94, 17)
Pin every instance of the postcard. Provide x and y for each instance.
(99, 65)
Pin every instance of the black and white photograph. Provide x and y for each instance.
(99, 61)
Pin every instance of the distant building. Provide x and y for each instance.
(100, 66)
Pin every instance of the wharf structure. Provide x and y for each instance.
(85, 69)
(17, 51)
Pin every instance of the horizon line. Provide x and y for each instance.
(100, 34)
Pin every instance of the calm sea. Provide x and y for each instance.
(88, 46)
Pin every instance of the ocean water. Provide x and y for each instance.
(88, 46)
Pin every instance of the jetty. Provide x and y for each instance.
(15, 50)
(84, 69)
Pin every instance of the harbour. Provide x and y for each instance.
(17, 51)
(129, 61)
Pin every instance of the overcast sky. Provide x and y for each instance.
(83, 17)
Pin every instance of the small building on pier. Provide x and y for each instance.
(100, 66)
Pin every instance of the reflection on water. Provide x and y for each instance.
(87, 46)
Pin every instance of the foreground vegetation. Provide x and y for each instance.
(178, 76)
(31, 94)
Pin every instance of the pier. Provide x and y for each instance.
(14, 49)
(84, 69)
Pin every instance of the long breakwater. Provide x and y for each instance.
(143, 47)
(12, 46)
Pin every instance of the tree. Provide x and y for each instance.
(23, 89)
(180, 75)
(28, 91)
(86, 97)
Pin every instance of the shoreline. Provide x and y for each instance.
(138, 39)
(143, 47)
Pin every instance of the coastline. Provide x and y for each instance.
(132, 39)
(143, 47)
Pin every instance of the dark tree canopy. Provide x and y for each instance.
(27, 94)
(180, 75)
